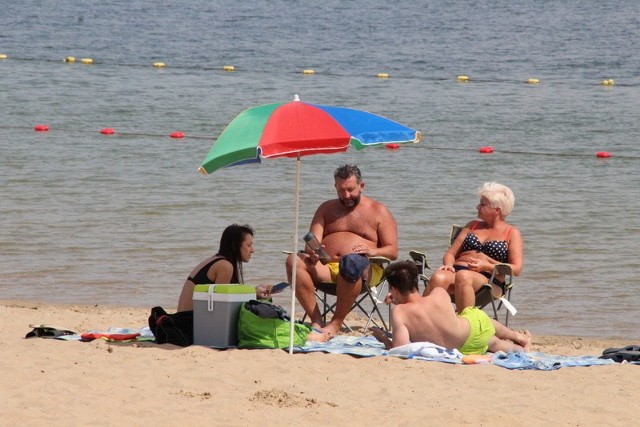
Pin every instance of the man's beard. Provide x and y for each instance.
(351, 202)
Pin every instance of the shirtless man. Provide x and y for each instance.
(431, 318)
(350, 224)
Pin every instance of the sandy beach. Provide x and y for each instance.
(55, 382)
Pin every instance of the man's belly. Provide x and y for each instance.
(343, 242)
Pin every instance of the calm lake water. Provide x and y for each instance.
(122, 219)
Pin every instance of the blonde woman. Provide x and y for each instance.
(480, 245)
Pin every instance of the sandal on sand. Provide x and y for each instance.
(622, 356)
(42, 331)
(627, 348)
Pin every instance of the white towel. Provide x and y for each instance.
(425, 349)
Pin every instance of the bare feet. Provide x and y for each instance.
(523, 339)
(318, 336)
(317, 326)
(332, 329)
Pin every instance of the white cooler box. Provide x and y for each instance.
(215, 313)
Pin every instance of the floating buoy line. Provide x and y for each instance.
(229, 68)
(109, 131)
(462, 78)
(491, 150)
(483, 150)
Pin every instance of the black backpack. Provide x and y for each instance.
(267, 310)
(176, 328)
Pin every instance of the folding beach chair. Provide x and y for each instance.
(374, 294)
(484, 295)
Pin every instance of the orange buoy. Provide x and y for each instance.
(393, 146)
(176, 135)
(41, 128)
(486, 150)
(603, 154)
(107, 131)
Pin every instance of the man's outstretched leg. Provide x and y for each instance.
(506, 339)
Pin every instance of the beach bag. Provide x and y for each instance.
(266, 325)
(176, 328)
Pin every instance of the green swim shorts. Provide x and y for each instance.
(481, 331)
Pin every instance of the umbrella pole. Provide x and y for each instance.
(295, 255)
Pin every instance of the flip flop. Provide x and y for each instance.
(622, 356)
(48, 332)
(627, 348)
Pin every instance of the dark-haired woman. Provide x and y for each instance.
(236, 247)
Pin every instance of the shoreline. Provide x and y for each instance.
(544, 339)
(56, 382)
(104, 316)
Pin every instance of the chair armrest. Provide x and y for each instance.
(380, 260)
(502, 270)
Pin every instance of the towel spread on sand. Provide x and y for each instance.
(120, 334)
(113, 334)
(544, 362)
(344, 344)
(427, 351)
(370, 347)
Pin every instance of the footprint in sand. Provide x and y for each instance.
(283, 399)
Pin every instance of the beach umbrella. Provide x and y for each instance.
(295, 129)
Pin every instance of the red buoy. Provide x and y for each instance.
(176, 135)
(486, 150)
(107, 131)
(393, 146)
(41, 128)
(603, 154)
